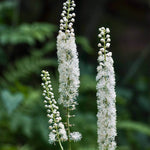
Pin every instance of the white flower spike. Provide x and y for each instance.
(57, 130)
(68, 65)
(106, 96)
(68, 70)
(68, 58)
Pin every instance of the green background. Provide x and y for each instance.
(28, 31)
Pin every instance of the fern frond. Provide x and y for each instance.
(26, 33)
(25, 67)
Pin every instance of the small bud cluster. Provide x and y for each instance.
(75, 136)
(57, 130)
(106, 96)
(66, 23)
(104, 40)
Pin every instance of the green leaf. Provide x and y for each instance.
(11, 101)
(8, 147)
(32, 98)
(135, 126)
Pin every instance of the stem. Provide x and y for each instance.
(60, 145)
(105, 48)
(68, 14)
(59, 141)
(68, 112)
(106, 148)
(68, 116)
(68, 128)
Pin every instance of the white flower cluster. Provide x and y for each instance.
(57, 130)
(68, 15)
(68, 65)
(68, 70)
(106, 96)
(75, 136)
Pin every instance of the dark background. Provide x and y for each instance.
(28, 31)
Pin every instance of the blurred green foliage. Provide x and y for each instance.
(26, 49)
(25, 33)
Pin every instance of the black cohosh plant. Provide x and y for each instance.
(69, 72)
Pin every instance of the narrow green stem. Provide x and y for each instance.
(68, 128)
(105, 48)
(59, 141)
(68, 14)
(60, 145)
(68, 111)
(105, 81)
(68, 119)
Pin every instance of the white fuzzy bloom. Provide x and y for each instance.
(57, 129)
(62, 132)
(68, 69)
(106, 97)
(68, 63)
(75, 136)
(68, 58)
(52, 138)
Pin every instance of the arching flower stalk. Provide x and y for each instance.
(106, 96)
(57, 129)
(68, 65)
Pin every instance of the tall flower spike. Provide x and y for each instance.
(67, 58)
(106, 94)
(57, 130)
(68, 66)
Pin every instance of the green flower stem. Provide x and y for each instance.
(68, 128)
(60, 145)
(105, 47)
(68, 118)
(68, 14)
(105, 77)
